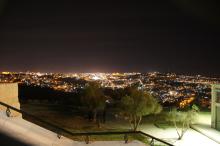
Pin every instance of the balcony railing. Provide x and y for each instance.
(63, 132)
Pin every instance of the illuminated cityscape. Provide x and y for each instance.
(169, 88)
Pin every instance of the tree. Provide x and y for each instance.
(93, 98)
(182, 119)
(137, 104)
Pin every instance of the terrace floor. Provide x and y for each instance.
(200, 134)
(204, 126)
(18, 132)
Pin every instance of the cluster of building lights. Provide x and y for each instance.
(169, 88)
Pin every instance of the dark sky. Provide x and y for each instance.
(78, 36)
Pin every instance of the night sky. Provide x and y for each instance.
(181, 36)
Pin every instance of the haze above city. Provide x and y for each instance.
(67, 36)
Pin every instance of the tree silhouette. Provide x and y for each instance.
(137, 104)
(182, 119)
(94, 99)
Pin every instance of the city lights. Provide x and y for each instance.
(168, 88)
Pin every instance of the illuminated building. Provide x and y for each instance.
(215, 110)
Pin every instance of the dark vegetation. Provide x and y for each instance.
(48, 95)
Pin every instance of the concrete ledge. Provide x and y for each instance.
(209, 132)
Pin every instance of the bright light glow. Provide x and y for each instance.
(5, 73)
(96, 78)
(39, 74)
(172, 93)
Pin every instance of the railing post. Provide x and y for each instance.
(59, 135)
(126, 138)
(87, 139)
(152, 142)
(8, 112)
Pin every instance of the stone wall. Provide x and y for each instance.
(215, 110)
(9, 95)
